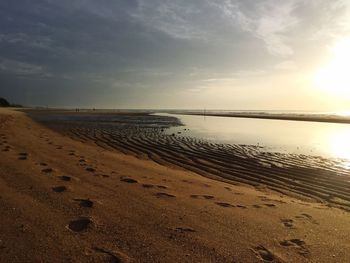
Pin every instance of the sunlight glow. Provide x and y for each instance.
(344, 113)
(339, 145)
(334, 78)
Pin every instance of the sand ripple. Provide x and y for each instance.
(315, 177)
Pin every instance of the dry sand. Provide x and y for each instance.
(62, 200)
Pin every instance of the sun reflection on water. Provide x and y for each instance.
(339, 145)
(318, 139)
(343, 113)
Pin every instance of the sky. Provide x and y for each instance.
(172, 54)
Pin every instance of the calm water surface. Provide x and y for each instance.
(312, 138)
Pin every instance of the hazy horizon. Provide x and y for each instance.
(136, 54)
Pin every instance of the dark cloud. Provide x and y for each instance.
(124, 52)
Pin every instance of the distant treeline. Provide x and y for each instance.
(5, 103)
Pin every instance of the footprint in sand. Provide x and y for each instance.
(82, 162)
(90, 169)
(65, 178)
(263, 253)
(22, 156)
(270, 205)
(113, 256)
(207, 197)
(6, 148)
(128, 180)
(164, 195)
(287, 223)
(296, 243)
(80, 224)
(266, 205)
(224, 204)
(59, 189)
(307, 217)
(185, 229)
(147, 185)
(47, 170)
(85, 202)
(43, 164)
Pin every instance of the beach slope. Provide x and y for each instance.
(62, 200)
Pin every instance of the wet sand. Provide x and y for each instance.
(81, 199)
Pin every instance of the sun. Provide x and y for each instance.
(334, 78)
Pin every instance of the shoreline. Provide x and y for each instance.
(284, 117)
(64, 200)
(314, 117)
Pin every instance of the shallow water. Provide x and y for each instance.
(297, 137)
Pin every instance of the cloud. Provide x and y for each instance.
(331, 17)
(29, 40)
(219, 80)
(122, 47)
(270, 21)
(286, 65)
(21, 68)
(174, 18)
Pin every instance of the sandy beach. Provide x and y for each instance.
(63, 198)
